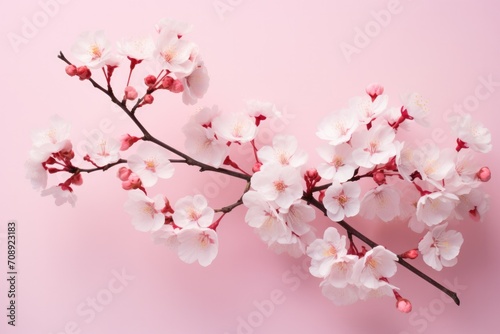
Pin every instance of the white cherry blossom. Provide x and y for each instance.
(435, 207)
(92, 49)
(179, 28)
(366, 109)
(256, 108)
(417, 107)
(197, 244)
(176, 55)
(191, 211)
(235, 127)
(337, 128)
(50, 140)
(145, 211)
(342, 200)
(474, 134)
(283, 185)
(339, 165)
(61, 193)
(324, 252)
(138, 48)
(440, 248)
(150, 163)
(202, 144)
(378, 262)
(382, 201)
(373, 147)
(284, 151)
(105, 151)
(195, 84)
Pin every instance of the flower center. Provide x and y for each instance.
(280, 186)
(205, 240)
(95, 51)
(150, 165)
(342, 199)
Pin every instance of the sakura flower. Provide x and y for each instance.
(297, 216)
(339, 165)
(374, 147)
(279, 184)
(416, 107)
(263, 216)
(256, 108)
(176, 55)
(366, 109)
(408, 208)
(138, 48)
(195, 84)
(146, 212)
(378, 262)
(435, 165)
(342, 200)
(105, 151)
(193, 211)
(338, 127)
(340, 296)
(205, 116)
(51, 140)
(382, 289)
(92, 49)
(284, 151)
(293, 244)
(324, 252)
(166, 235)
(341, 271)
(435, 207)
(61, 193)
(36, 173)
(235, 127)
(472, 133)
(179, 28)
(197, 244)
(382, 201)
(202, 144)
(150, 163)
(473, 204)
(440, 248)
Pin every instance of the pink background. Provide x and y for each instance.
(287, 52)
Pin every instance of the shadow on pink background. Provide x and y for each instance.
(86, 270)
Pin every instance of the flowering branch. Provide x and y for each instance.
(431, 187)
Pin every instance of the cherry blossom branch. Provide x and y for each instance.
(148, 137)
(352, 231)
(98, 168)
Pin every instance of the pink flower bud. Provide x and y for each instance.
(312, 173)
(71, 70)
(124, 173)
(83, 73)
(77, 179)
(256, 167)
(484, 174)
(176, 87)
(379, 177)
(148, 99)
(167, 82)
(403, 305)
(150, 81)
(130, 93)
(127, 141)
(411, 254)
(374, 90)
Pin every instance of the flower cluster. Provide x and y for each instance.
(427, 187)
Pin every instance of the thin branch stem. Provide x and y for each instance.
(148, 137)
